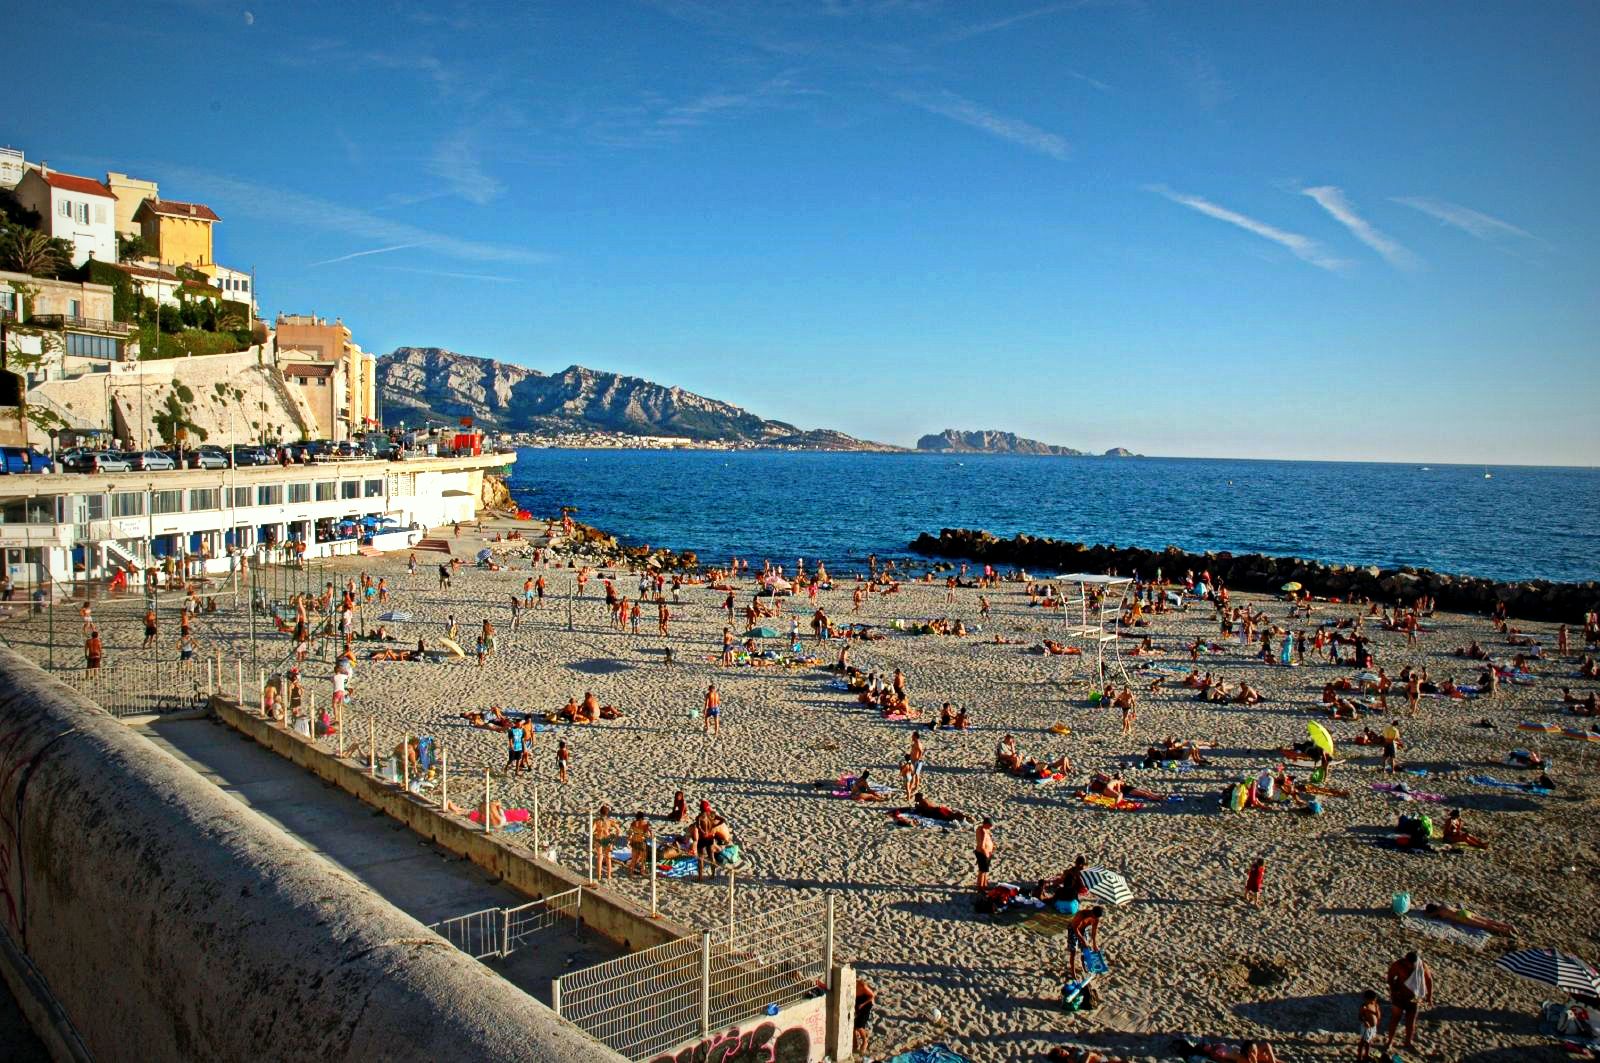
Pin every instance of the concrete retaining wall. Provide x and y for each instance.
(170, 922)
(609, 914)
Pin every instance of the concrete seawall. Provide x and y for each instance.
(167, 922)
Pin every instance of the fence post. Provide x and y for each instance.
(372, 746)
(588, 846)
(730, 907)
(239, 675)
(827, 944)
(311, 717)
(653, 875)
(211, 684)
(505, 932)
(487, 829)
(705, 983)
(555, 996)
(405, 764)
(261, 691)
(535, 820)
(217, 689)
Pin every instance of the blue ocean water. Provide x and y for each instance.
(1523, 523)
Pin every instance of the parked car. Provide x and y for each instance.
(16, 460)
(245, 455)
(151, 461)
(344, 450)
(84, 459)
(207, 456)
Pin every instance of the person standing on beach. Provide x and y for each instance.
(1410, 984)
(727, 647)
(727, 606)
(150, 628)
(1370, 1015)
(861, 1027)
(713, 711)
(515, 749)
(663, 614)
(1391, 746)
(983, 850)
(563, 758)
(1413, 692)
(1255, 882)
(538, 592)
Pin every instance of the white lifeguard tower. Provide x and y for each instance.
(1086, 621)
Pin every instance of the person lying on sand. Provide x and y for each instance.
(1222, 1052)
(923, 807)
(1033, 769)
(1118, 789)
(1071, 1054)
(1053, 648)
(1172, 749)
(1001, 640)
(1451, 913)
(1581, 706)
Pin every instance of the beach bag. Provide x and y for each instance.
(1401, 903)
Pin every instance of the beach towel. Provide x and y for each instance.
(394, 616)
(513, 815)
(1404, 793)
(1471, 937)
(1094, 962)
(911, 819)
(1102, 801)
(682, 867)
(1506, 784)
(1050, 780)
(929, 1054)
(1047, 924)
(1325, 791)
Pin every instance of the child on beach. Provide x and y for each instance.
(1368, 1018)
(563, 756)
(1255, 881)
(713, 711)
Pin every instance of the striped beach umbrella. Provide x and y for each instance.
(1554, 969)
(1107, 885)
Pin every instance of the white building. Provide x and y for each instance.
(237, 286)
(79, 210)
(12, 167)
(72, 527)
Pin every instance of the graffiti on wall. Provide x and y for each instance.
(761, 1044)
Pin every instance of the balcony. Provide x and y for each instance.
(82, 324)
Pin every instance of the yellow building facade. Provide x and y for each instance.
(178, 234)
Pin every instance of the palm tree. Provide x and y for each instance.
(32, 252)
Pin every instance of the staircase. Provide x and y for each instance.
(118, 555)
(434, 544)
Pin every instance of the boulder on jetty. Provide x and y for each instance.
(1529, 599)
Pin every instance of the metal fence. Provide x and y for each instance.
(646, 1003)
(498, 932)
(138, 687)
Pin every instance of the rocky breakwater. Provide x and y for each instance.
(1529, 599)
(598, 549)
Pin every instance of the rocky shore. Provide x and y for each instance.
(1530, 599)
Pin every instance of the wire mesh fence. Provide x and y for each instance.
(498, 932)
(646, 1003)
(142, 687)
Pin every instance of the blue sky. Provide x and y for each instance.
(1358, 231)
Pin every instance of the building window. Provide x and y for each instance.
(8, 301)
(244, 285)
(300, 492)
(91, 507)
(83, 213)
(242, 496)
(99, 213)
(203, 498)
(75, 307)
(66, 209)
(374, 488)
(127, 504)
(322, 381)
(350, 489)
(82, 346)
(269, 495)
(166, 502)
(327, 491)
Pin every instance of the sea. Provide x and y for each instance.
(1499, 522)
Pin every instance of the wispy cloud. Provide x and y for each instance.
(289, 210)
(978, 29)
(958, 109)
(361, 254)
(459, 165)
(1093, 83)
(1332, 200)
(1477, 223)
(491, 278)
(1302, 247)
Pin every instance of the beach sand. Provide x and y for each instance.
(1188, 958)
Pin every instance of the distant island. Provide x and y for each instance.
(422, 384)
(955, 441)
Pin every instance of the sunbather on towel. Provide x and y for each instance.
(861, 790)
(924, 807)
(1451, 913)
(1117, 788)
(1455, 832)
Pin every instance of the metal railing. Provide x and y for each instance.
(651, 1001)
(137, 687)
(498, 932)
(93, 324)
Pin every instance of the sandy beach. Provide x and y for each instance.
(1188, 958)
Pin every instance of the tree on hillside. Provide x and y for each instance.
(131, 248)
(32, 252)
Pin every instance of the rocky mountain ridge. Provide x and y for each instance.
(419, 383)
(955, 441)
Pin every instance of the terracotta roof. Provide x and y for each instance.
(72, 183)
(307, 370)
(142, 271)
(174, 208)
